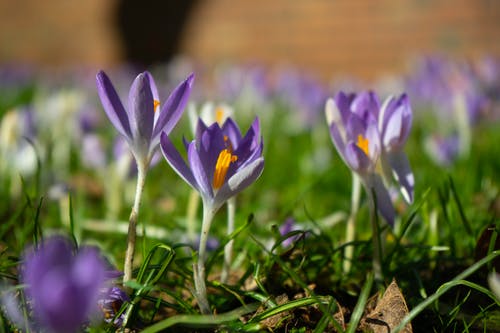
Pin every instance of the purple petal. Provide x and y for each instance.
(152, 85)
(173, 108)
(176, 161)
(112, 105)
(407, 117)
(373, 136)
(337, 140)
(211, 144)
(396, 119)
(366, 103)
(383, 199)
(200, 173)
(392, 129)
(356, 159)
(343, 104)
(142, 111)
(355, 126)
(200, 128)
(239, 181)
(402, 173)
(231, 129)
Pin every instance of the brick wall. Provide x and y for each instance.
(361, 37)
(58, 32)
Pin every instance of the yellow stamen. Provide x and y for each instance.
(221, 166)
(156, 103)
(219, 115)
(363, 143)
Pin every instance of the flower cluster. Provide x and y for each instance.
(367, 134)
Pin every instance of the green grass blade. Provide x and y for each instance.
(445, 288)
(201, 320)
(463, 218)
(357, 313)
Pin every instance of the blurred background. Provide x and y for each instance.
(361, 38)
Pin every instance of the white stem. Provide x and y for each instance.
(132, 226)
(228, 249)
(199, 266)
(351, 222)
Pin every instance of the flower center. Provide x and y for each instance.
(156, 103)
(223, 162)
(363, 143)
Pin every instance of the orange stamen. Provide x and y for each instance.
(156, 103)
(363, 143)
(221, 166)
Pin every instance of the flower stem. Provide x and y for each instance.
(228, 249)
(377, 246)
(199, 266)
(132, 224)
(192, 208)
(351, 222)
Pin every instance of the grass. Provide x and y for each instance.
(438, 252)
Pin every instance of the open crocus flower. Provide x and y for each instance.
(395, 121)
(354, 131)
(221, 164)
(145, 119)
(221, 161)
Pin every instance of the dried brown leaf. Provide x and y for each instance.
(388, 313)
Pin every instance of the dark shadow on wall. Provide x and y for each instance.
(151, 30)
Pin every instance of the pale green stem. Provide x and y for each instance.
(463, 124)
(113, 188)
(132, 226)
(351, 222)
(377, 246)
(228, 249)
(199, 266)
(192, 208)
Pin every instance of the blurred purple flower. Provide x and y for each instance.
(438, 83)
(288, 226)
(110, 301)
(443, 150)
(62, 286)
(363, 133)
(221, 161)
(141, 124)
(354, 130)
(234, 82)
(303, 93)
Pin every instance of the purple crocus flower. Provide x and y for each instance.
(443, 150)
(287, 227)
(395, 120)
(221, 161)
(62, 285)
(145, 119)
(110, 301)
(353, 122)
